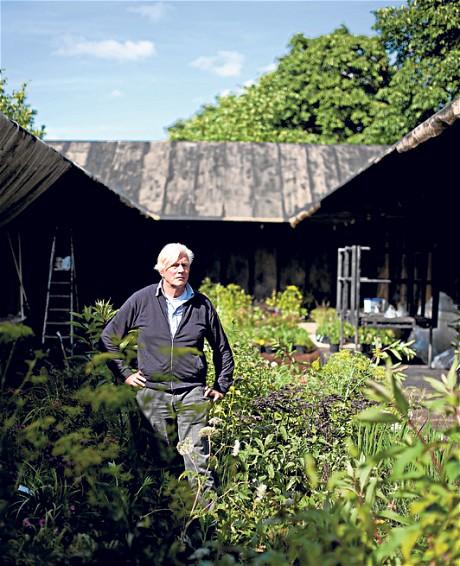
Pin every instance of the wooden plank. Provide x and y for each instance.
(99, 162)
(296, 190)
(352, 159)
(154, 175)
(322, 165)
(237, 180)
(126, 175)
(268, 201)
(77, 152)
(209, 199)
(180, 187)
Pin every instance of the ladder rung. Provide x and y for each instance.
(54, 337)
(50, 323)
(60, 296)
(59, 310)
(60, 282)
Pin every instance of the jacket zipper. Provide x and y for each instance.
(171, 360)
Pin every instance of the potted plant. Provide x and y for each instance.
(302, 341)
(371, 338)
(329, 330)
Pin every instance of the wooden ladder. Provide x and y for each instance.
(61, 295)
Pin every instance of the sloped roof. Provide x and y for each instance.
(28, 167)
(261, 182)
(430, 128)
(433, 127)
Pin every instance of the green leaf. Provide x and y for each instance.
(407, 457)
(377, 415)
(310, 470)
(400, 400)
(436, 385)
(283, 432)
(381, 393)
(396, 517)
(452, 375)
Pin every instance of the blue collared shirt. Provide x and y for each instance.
(176, 307)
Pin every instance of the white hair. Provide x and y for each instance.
(170, 254)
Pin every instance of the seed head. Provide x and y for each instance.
(185, 447)
(207, 431)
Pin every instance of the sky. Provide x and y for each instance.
(126, 70)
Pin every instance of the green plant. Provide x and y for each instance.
(10, 335)
(288, 303)
(330, 330)
(90, 323)
(321, 314)
(376, 337)
(301, 479)
(423, 465)
(302, 338)
(232, 303)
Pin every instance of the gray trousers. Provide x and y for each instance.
(181, 416)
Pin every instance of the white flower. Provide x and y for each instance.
(185, 447)
(274, 364)
(261, 490)
(236, 448)
(207, 431)
(215, 421)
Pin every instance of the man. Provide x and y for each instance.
(173, 321)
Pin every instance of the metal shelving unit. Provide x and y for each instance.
(349, 289)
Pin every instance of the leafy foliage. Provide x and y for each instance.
(15, 106)
(345, 88)
(323, 91)
(304, 473)
(288, 303)
(423, 38)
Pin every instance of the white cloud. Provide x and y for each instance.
(108, 49)
(225, 92)
(224, 64)
(153, 12)
(116, 93)
(268, 68)
(248, 83)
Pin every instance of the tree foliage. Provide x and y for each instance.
(342, 87)
(15, 106)
(323, 91)
(423, 37)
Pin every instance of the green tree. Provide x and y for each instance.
(423, 39)
(16, 107)
(323, 91)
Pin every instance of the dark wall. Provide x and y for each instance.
(116, 248)
(406, 203)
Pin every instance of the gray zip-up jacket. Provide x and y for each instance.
(166, 361)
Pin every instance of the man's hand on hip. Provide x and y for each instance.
(213, 394)
(135, 380)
